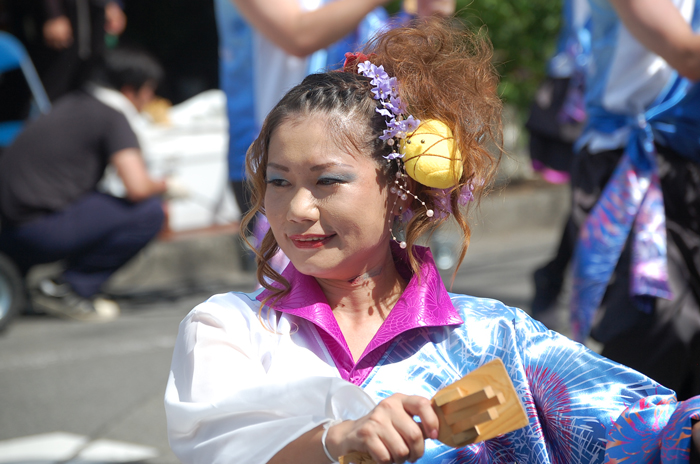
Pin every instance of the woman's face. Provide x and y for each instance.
(327, 205)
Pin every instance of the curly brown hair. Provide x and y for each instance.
(444, 73)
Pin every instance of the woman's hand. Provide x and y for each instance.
(696, 436)
(388, 433)
(58, 32)
(115, 19)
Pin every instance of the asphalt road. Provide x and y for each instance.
(66, 387)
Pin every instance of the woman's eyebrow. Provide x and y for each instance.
(321, 167)
(279, 167)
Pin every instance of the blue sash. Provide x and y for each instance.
(633, 198)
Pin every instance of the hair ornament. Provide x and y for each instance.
(430, 155)
(427, 148)
(443, 204)
(385, 89)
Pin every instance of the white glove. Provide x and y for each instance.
(176, 189)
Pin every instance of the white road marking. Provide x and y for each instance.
(61, 447)
(50, 447)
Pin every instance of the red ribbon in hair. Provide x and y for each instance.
(353, 58)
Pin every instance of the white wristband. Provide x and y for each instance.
(327, 426)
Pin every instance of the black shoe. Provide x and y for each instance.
(58, 299)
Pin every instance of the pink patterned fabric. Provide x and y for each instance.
(423, 304)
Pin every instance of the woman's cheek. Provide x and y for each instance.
(274, 216)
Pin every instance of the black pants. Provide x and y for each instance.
(96, 236)
(64, 70)
(665, 345)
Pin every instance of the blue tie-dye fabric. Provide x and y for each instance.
(577, 401)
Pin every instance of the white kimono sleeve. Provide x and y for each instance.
(222, 402)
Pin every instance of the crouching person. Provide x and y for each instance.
(50, 207)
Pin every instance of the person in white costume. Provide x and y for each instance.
(340, 352)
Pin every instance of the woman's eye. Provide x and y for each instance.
(277, 182)
(330, 181)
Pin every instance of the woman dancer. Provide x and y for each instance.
(340, 352)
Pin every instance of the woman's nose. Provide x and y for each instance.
(302, 207)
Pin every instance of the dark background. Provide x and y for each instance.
(182, 35)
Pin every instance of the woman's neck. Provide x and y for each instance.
(361, 304)
(370, 294)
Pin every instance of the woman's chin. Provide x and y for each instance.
(336, 263)
(321, 266)
(313, 268)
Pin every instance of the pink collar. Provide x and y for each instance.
(424, 304)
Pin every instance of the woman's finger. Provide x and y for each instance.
(412, 437)
(410, 431)
(378, 450)
(422, 407)
(389, 433)
(404, 440)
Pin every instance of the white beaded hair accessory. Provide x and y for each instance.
(399, 127)
(425, 151)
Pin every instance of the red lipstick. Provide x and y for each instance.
(310, 240)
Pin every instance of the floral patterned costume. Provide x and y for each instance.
(246, 380)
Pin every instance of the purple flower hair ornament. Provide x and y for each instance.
(443, 201)
(427, 149)
(385, 89)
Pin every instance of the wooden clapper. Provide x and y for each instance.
(479, 406)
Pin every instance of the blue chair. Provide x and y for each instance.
(13, 55)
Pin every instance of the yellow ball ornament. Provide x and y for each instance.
(431, 157)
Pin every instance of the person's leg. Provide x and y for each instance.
(33, 243)
(617, 312)
(96, 235)
(124, 229)
(57, 70)
(549, 278)
(590, 173)
(664, 344)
